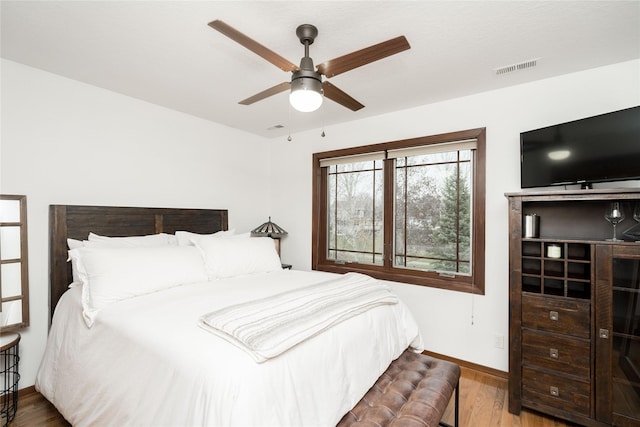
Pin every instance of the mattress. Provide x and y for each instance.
(145, 360)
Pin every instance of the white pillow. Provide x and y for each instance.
(109, 275)
(75, 277)
(97, 241)
(185, 237)
(75, 244)
(159, 239)
(238, 256)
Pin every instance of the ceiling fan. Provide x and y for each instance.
(307, 85)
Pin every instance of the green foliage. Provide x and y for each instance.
(453, 223)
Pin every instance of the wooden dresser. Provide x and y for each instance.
(575, 308)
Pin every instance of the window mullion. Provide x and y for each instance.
(373, 215)
(388, 214)
(406, 211)
(458, 213)
(335, 214)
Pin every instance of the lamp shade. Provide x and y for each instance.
(306, 91)
(269, 229)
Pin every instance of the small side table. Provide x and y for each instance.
(9, 376)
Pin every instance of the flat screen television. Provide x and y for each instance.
(596, 149)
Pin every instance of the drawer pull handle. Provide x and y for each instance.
(553, 353)
(554, 391)
(553, 315)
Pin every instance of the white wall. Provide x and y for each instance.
(453, 323)
(64, 142)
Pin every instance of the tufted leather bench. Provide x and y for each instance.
(414, 391)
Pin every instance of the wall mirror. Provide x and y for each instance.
(14, 271)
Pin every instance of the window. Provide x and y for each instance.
(14, 271)
(354, 217)
(409, 211)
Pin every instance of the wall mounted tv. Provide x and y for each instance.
(596, 149)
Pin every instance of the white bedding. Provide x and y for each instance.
(146, 362)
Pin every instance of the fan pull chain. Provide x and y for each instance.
(473, 305)
(289, 124)
(322, 115)
(473, 311)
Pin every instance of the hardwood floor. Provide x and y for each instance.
(483, 403)
(35, 410)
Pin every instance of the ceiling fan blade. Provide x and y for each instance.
(337, 95)
(253, 46)
(363, 56)
(266, 93)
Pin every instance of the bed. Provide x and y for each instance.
(159, 356)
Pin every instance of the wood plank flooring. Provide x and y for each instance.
(483, 403)
(35, 410)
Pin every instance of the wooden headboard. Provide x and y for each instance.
(75, 222)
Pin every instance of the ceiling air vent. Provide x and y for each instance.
(517, 67)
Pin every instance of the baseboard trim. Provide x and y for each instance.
(484, 369)
(27, 391)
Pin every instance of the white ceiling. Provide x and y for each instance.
(163, 52)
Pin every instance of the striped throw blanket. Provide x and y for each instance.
(268, 327)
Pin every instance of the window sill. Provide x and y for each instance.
(458, 284)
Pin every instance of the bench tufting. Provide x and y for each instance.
(414, 391)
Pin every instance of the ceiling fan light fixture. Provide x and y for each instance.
(306, 94)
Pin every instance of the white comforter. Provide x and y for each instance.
(146, 362)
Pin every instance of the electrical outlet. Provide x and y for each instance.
(498, 340)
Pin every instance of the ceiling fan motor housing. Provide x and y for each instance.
(305, 79)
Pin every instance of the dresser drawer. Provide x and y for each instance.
(556, 391)
(556, 315)
(563, 354)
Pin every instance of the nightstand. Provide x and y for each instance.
(9, 393)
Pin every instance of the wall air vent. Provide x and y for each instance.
(517, 67)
